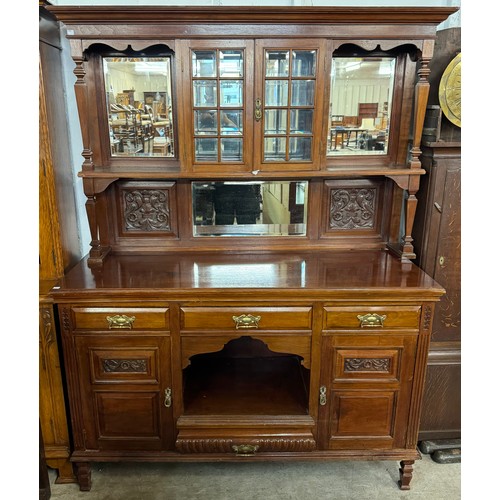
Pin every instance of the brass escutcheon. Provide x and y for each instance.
(120, 322)
(246, 321)
(258, 110)
(371, 320)
(245, 450)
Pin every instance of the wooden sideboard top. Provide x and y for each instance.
(234, 276)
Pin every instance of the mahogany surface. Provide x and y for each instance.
(334, 274)
(179, 347)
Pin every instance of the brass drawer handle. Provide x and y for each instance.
(322, 395)
(168, 397)
(120, 322)
(371, 320)
(245, 450)
(246, 321)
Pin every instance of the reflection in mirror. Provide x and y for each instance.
(139, 100)
(360, 105)
(235, 208)
(218, 102)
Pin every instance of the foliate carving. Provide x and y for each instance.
(352, 208)
(46, 322)
(124, 365)
(146, 210)
(66, 320)
(367, 364)
(427, 317)
(225, 445)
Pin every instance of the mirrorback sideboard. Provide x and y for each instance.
(250, 178)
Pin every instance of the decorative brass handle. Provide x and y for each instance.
(120, 322)
(168, 397)
(246, 321)
(322, 395)
(245, 450)
(258, 110)
(371, 320)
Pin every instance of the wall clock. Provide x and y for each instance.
(450, 91)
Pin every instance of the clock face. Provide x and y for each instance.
(450, 91)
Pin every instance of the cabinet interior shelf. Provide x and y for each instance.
(268, 385)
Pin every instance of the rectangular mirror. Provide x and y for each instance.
(360, 105)
(139, 101)
(253, 208)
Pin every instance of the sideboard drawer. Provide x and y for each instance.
(120, 318)
(246, 318)
(371, 317)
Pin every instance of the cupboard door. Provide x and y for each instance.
(366, 390)
(290, 83)
(220, 86)
(126, 392)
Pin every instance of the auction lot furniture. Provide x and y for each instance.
(298, 334)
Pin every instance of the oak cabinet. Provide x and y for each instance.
(249, 292)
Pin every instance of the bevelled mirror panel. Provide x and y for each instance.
(139, 101)
(254, 208)
(360, 105)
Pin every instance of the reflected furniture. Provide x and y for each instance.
(295, 328)
(345, 134)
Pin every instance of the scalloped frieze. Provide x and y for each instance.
(381, 45)
(122, 45)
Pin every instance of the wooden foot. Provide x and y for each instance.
(405, 474)
(83, 473)
(65, 472)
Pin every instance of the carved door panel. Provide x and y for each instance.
(365, 390)
(126, 392)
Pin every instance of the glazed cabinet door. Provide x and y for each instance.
(125, 391)
(288, 108)
(254, 105)
(218, 85)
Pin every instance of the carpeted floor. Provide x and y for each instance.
(266, 481)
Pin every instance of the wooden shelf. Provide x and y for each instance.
(271, 385)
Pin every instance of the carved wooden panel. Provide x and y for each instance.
(372, 364)
(354, 207)
(125, 365)
(221, 445)
(146, 209)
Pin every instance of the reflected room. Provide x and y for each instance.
(139, 101)
(254, 208)
(360, 105)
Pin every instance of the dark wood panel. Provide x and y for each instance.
(441, 413)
